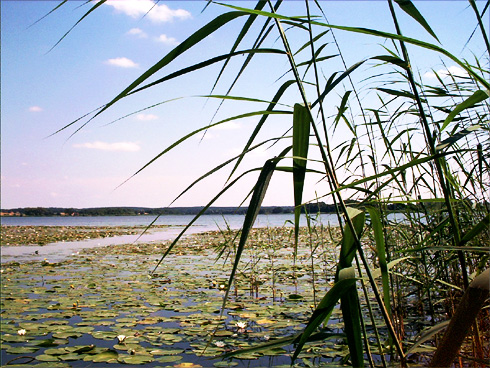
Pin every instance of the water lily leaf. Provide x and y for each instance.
(166, 351)
(47, 358)
(225, 364)
(13, 338)
(72, 357)
(109, 356)
(135, 359)
(105, 335)
(56, 351)
(223, 333)
(22, 349)
(66, 334)
(81, 349)
(168, 358)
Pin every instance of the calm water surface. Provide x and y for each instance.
(56, 252)
(61, 250)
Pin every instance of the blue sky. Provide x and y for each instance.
(44, 90)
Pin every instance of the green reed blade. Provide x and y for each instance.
(349, 302)
(381, 252)
(408, 7)
(475, 230)
(323, 311)
(262, 120)
(301, 140)
(258, 194)
(191, 41)
(204, 64)
(243, 32)
(471, 101)
(99, 3)
(377, 33)
(456, 137)
(349, 246)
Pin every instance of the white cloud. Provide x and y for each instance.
(104, 146)
(163, 38)
(138, 32)
(146, 117)
(35, 109)
(154, 12)
(456, 71)
(229, 125)
(122, 62)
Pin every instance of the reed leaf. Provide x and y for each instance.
(471, 101)
(323, 311)
(301, 136)
(408, 7)
(381, 253)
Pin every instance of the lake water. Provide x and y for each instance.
(59, 251)
(56, 252)
(207, 222)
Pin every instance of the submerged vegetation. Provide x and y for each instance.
(413, 143)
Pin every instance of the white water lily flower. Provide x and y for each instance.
(121, 338)
(219, 344)
(21, 332)
(241, 325)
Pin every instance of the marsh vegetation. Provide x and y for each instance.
(413, 143)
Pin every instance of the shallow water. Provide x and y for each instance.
(56, 252)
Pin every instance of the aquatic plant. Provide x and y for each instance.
(419, 149)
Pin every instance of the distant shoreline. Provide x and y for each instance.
(319, 207)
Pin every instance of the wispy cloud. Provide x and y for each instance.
(155, 12)
(454, 70)
(35, 109)
(229, 125)
(105, 146)
(138, 32)
(122, 62)
(146, 117)
(163, 38)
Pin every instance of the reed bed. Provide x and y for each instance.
(421, 148)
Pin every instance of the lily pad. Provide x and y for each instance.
(135, 359)
(168, 358)
(22, 349)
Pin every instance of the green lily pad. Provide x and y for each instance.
(135, 359)
(168, 358)
(47, 358)
(22, 349)
(67, 334)
(225, 364)
(109, 356)
(56, 351)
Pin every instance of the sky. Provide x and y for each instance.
(46, 85)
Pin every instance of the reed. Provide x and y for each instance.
(421, 150)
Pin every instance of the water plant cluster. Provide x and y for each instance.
(404, 140)
(118, 313)
(42, 235)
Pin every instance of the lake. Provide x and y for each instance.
(207, 222)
